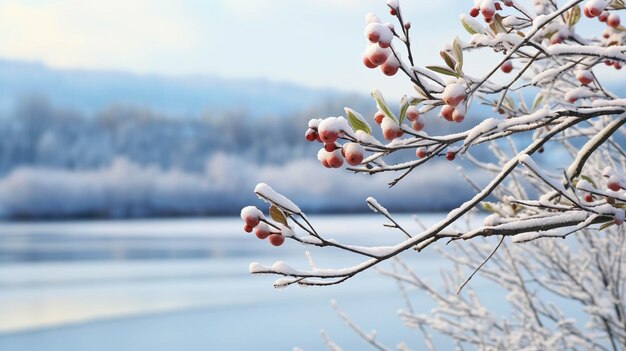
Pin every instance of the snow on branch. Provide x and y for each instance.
(528, 198)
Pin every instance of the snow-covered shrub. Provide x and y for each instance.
(546, 97)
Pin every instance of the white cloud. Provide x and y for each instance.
(85, 33)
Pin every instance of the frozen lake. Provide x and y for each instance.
(183, 284)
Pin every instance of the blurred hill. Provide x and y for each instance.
(90, 91)
(111, 144)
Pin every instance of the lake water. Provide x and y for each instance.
(183, 284)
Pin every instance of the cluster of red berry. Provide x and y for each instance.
(378, 52)
(333, 154)
(488, 9)
(453, 96)
(255, 221)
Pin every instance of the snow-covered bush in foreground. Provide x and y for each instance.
(539, 53)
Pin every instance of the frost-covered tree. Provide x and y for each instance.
(545, 95)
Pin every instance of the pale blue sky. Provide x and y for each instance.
(311, 42)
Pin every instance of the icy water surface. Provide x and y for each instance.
(183, 284)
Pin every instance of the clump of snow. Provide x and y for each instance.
(322, 155)
(484, 127)
(315, 122)
(375, 206)
(282, 283)
(251, 212)
(255, 267)
(453, 94)
(353, 148)
(363, 137)
(281, 267)
(389, 123)
(371, 18)
(492, 220)
(265, 192)
(393, 4)
(330, 124)
(378, 30)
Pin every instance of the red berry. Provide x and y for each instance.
(507, 67)
(377, 55)
(458, 116)
(276, 239)
(330, 147)
(418, 124)
(487, 12)
(310, 135)
(252, 222)
(335, 160)
(248, 228)
(450, 156)
(354, 158)
(373, 36)
(603, 16)
(498, 7)
(412, 113)
(453, 94)
(474, 12)
(588, 198)
(613, 186)
(613, 20)
(421, 152)
(378, 117)
(508, 3)
(608, 63)
(617, 65)
(584, 77)
(586, 12)
(325, 163)
(594, 11)
(407, 25)
(393, 11)
(261, 232)
(384, 44)
(390, 133)
(368, 63)
(328, 136)
(389, 69)
(446, 112)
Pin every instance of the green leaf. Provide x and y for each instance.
(278, 215)
(606, 225)
(357, 122)
(590, 181)
(404, 105)
(537, 101)
(467, 27)
(382, 105)
(415, 100)
(458, 54)
(617, 4)
(443, 70)
(420, 92)
(497, 25)
(574, 16)
(447, 59)
(488, 207)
